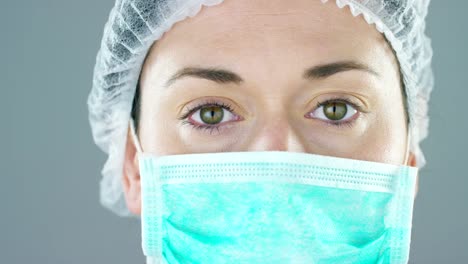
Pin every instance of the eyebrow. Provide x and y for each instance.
(326, 70)
(218, 75)
(223, 76)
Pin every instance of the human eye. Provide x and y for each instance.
(209, 115)
(336, 112)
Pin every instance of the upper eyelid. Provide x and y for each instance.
(228, 107)
(191, 110)
(343, 100)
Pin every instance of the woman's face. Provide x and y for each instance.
(296, 76)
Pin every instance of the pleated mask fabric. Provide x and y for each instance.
(274, 207)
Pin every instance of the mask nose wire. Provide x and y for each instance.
(134, 136)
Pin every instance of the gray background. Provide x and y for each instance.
(50, 168)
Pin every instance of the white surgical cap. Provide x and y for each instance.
(134, 25)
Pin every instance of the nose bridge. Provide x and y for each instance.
(275, 132)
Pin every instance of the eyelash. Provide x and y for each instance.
(228, 107)
(190, 111)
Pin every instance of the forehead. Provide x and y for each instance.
(260, 34)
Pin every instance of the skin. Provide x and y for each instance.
(269, 45)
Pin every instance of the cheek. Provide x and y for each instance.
(206, 140)
(385, 148)
(384, 141)
(380, 137)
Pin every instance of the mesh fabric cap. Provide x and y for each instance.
(134, 25)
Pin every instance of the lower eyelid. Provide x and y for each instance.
(338, 123)
(345, 124)
(211, 130)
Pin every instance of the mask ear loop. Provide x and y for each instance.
(134, 136)
(408, 142)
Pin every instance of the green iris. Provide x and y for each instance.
(212, 114)
(335, 110)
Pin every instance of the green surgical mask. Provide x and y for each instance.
(274, 207)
